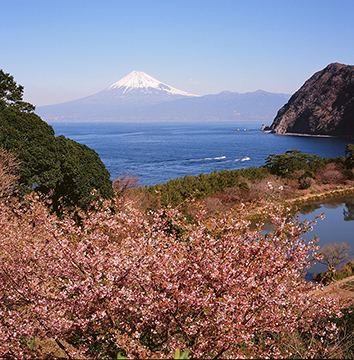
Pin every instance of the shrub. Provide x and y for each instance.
(124, 183)
(306, 182)
(175, 191)
(244, 186)
(349, 153)
(332, 176)
(348, 173)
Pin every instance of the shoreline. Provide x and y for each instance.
(336, 290)
(309, 135)
(340, 191)
(306, 135)
(308, 198)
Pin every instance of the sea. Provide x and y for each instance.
(159, 151)
(156, 152)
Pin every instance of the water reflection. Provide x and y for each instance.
(309, 208)
(348, 212)
(337, 226)
(344, 204)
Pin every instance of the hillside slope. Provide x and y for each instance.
(324, 105)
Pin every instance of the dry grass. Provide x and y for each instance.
(343, 289)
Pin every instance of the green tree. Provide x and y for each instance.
(292, 160)
(58, 166)
(81, 171)
(11, 94)
(349, 153)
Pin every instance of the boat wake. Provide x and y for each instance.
(223, 157)
(246, 158)
(209, 158)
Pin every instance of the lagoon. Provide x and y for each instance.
(337, 226)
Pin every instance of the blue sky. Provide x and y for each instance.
(62, 50)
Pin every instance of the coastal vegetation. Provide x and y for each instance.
(292, 176)
(91, 269)
(63, 169)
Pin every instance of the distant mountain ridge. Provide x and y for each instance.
(324, 105)
(258, 105)
(140, 97)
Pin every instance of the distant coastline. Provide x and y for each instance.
(305, 135)
(268, 131)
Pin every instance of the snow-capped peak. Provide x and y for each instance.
(141, 80)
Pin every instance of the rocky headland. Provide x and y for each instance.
(324, 105)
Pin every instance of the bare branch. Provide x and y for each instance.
(9, 175)
(125, 182)
(334, 254)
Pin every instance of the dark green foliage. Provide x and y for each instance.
(81, 171)
(11, 94)
(349, 153)
(324, 277)
(286, 164)
(348, 173)
(58, 166)
(244, 186)
(32, 139)
(175, 191)
(338, 160)
(307, 174)
(254, 173)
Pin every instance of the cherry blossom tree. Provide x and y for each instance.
(118, 281)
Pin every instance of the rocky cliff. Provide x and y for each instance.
(324, 105)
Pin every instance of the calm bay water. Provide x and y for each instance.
(337, 226)
(158, 152)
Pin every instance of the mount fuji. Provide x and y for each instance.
(138, 81)
(140, 97)
(137, 88)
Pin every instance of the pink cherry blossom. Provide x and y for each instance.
(119, 280)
